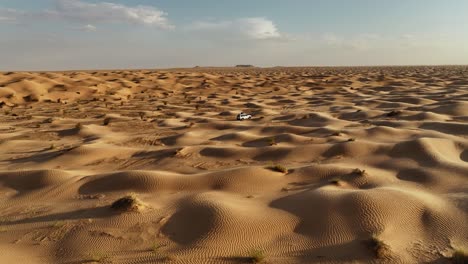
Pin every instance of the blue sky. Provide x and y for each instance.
(89, 34)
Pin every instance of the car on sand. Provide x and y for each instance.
(243, 116)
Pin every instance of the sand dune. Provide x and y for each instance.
(337, 165)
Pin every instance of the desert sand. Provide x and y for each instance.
(337, 165)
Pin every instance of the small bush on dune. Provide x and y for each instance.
(359, 172)
(99, 257)
(106, 121)
(156, 246)
(272, 141)
(337, 182)
(257, 256)
(336, 134)
(279, 168)
(160, 254)
(460, 256)
(394, 113)
(127, 203)
(48, 120)
(59, 224)
(379, 247)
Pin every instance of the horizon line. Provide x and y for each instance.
(237, 67)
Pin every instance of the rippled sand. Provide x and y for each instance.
(337, 165)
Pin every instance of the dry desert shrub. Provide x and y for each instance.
(337, 182)
(106, 121)
(161, 255)
(48, 120)
(99, 257)
(460, 256)
(394, 113)
(359, 172)
(379, 247)
(272, 141)
(336, 134)
(128, 203)
(257, 256)
(156, 246)
(279, 168)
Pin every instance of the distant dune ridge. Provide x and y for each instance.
(337, 165)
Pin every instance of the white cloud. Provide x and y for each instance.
(209, 25)
(258, 28)
(93, 13)
(365, 41)
(87, 28)
(9, 15)
(105, 12)
(358, 42)
(332, 39)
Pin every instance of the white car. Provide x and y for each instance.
(243, 116)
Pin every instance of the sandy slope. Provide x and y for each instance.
(377, 152)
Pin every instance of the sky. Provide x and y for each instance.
(122, 34)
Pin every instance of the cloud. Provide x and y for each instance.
(76, 11)
(365, 41)
(10, 15)
(87, 28)
(105, 12)
(332, 39)
(258, 28)
(358, 42)
(209, 25)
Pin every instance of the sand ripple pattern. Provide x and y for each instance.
(331, 158)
